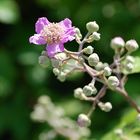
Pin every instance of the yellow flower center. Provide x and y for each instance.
(52, 33)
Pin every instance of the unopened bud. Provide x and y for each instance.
(130, 59)
(99, 66)
(81, 59)
(44, 53)
(87, 90)
(62, 76)
(113, 82)
(55, 63)
(131, 45)
(83, 120)
(61, 56)
(106, 65)
(105, 106)
(93, 59)
(129, 67)
(92, 26)
(78, 33)
(56, 71)
(94, 90)
(88, 50)
(78, 93)
(107, 71)
(44, 61)
(96, 36)
(117, 43)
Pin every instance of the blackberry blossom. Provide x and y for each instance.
(53, 35)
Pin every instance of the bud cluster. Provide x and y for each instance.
(92, 28)
(87, 90)
(119, 45)
(105, 106)
(128, 63)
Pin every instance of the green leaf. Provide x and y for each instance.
(129, 117)
(129, 125)
(9, 12)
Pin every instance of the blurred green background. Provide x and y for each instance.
(22, 80)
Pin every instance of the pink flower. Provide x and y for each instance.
(54, 35)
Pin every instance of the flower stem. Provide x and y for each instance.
(96, 99)
(83, 41)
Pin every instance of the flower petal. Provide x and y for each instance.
(54, 48)
(66, 22)
(41, 22)
(69, 30)
(37, 39)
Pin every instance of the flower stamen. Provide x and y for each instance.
(52, 33)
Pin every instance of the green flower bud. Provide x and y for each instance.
(56, 71)
(44, 61)
(44, 53)
(131, 45)
(81, 59)
(130, 59)
(106, 65)
(113, 82)
(99, 66)
(78, 93)
(62, 77)
(96, 36)
(87, 90)
(94, 90)
(61, 56)
(92, 26)
(117, 43)
(129, 67)
(107, 71)
(55, 63)
(78, 33)
(105, 106)
(83, 120)
(88, 50)
(93, 59)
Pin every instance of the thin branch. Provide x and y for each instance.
(83, 41)
(96, 99)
